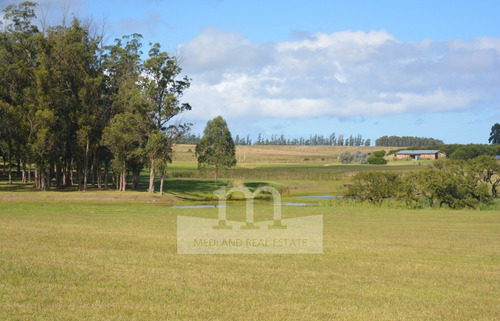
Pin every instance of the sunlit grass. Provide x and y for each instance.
(97, 260)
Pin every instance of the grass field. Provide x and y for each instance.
(115, 260)
(106, 255)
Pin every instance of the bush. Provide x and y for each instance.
(360, 157)
(374, 186)
(376, 160)
(455, 184)
(379, 153)
(346, 157)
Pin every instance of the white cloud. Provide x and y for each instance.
(343, 74)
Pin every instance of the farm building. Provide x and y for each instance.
(420, 154)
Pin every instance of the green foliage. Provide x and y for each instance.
(379, 153)
(465, 152)
(407, 141)
(376, 160)
(495, 134)
(374, 186)
(60, 89)
(455, 184)
(122, 140)
(162, 88)
(216, 148)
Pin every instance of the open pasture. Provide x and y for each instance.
(116, 260)
(282, 154)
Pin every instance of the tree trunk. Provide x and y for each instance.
(216, 175)
(124, 181)
(24, 172)
(494, 188)
(10, 171)
(29, 172)
(106, 171)
(42, 180)
(161, 182)
(99, 179)
(59, 176)
(50, 173)
(37, 178)
(135, 180)
(152, 176)
(86, 165)
(123, 178)
(64, 173)
(79, 177)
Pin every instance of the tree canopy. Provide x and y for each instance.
(71, 104)
(495, 134)
(216, 149)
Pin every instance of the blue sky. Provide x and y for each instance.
(408, 68)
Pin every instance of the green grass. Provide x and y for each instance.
(109, 260)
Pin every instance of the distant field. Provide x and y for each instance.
(116, 260)
(294, 170)
(281, 154)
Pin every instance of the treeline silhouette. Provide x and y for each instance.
(407, 141)
(313, 140)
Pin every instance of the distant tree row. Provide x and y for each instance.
(313, 140)
(82, 111)
(189, 139)
(407, 141)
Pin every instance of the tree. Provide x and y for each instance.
(216, 148)
(486, 168)
(163, 91)
(124, 141)
(374, 186)
(377, 158)
(495, 134)
(18, 51)
(346, 157)
(159, 149)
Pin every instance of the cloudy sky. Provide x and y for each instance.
(408, 68)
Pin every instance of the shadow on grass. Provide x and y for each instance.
(192, 189)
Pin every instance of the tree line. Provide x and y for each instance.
(407, 141)
(313, 140)
(81, 111)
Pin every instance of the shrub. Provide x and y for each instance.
(346, 157)
(374, 186)
(376, 160)
(379, 153)
(455, 184)
(360, 157)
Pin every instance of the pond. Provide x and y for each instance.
(298, 204)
